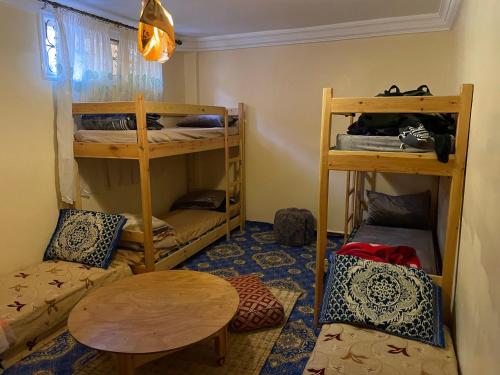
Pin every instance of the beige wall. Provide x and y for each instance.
(477, 303)
(282, 88)
(28, 199)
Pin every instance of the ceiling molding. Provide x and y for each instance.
(442, 20)
(439, 21)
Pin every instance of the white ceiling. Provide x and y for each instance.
(200, 18)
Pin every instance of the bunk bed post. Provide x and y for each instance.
(456, 199)
(326, 124)
(347, 204)
(226, 168)
(242, 125)
(147, 214)
(77, 201)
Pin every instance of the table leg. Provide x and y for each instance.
(221, 343)
(125, 364)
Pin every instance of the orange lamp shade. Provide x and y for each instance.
(156, 37)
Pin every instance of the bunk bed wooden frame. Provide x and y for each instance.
(395, 162)
(144, 151)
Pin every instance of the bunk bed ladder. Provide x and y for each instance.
(235, 188)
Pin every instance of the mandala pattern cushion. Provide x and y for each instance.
(398, 300)
(258, 307)
(85, 237)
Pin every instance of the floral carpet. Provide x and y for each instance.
(252, 252)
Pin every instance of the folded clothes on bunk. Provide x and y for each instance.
(135, 224)
(163, 233)
(399, 255)
(118, 122)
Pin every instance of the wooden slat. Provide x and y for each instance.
(170, 109)
(242, 169)
(235, 160)
(105, 150)
(456, 202)
(408, 104)
(144, 169)
(346, 207)
(103, 108)
(226, 174)
(132, 236)
(160, 150)
(391, 162)
(192, 248)
(438, 280)
(234, 184)
(321, 240)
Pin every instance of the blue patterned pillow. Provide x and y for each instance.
(85, 237)
(399, 300)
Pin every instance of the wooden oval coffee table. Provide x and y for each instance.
(144, 317)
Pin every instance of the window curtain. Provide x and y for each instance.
(136, 74)
(85, 74)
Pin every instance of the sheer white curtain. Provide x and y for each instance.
(136, 74)
(85, 73)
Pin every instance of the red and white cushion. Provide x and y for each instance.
(258, 307)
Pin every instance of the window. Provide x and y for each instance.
(49, 45)
(49, 33)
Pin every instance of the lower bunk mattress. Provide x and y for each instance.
(154, 136)
(421, 240)
(188, 226)
(37, 300)
(346, 349)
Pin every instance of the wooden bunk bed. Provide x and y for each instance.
(356, 163)
(143, 150)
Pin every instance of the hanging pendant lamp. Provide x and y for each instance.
(156, 37)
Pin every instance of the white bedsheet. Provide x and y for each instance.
(154, 136)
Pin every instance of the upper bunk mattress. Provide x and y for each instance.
(154, 136)
(421, 240)
(348, 142)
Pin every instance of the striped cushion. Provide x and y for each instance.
(258, 307)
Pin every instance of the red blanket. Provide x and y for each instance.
(401, 255)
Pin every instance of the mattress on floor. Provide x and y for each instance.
(38, 299)
(421, 240)
(154, 136)
(348, 142)
(346, 349)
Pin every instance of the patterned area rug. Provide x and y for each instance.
(252, 252)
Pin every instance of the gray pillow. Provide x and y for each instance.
(201, 200)
(205, 121)
(405, 211)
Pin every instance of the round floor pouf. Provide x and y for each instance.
(294, 226)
